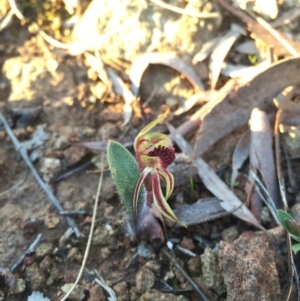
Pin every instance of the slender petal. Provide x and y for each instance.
(159, 200)
(169, 180)
(138, 186)
(148, 127)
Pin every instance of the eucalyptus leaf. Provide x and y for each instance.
(125, 173)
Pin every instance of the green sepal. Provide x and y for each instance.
(125, 173)
(296, 248)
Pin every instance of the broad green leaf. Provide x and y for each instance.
(294, 225)
(288, 223)
(297, 238)
(296, 248)
(125, 173)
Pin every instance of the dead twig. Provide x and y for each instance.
(23, 152)
(30, 250)
(184, 274)
(16, 10)
(292, 269)
(278, 37)
(186, 251)
(73, 212)
(99, 280)
(86, 253)
(72, 171)
(262, 32)
(187, 12)
(265, 195)
(19, 183)
(7, 20)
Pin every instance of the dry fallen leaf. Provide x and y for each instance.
(230, 202)
(141, 63)
(240, 154)
(121, 89)
(206, 50)
(202, 211)
(260, 32)
(244, 72)
(286, 18)
(221, 116)
(220, 52)
(247, 47)
(97, 65)
(261, 152)
(193, 100)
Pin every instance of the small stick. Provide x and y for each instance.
(186, 251)
(277, 36)
(72, 171)
(23, 152)
(30, 250)
(187, 12)
(101, 282)
(73, 212)
(184, 274)
(16, 10)
(89, 242)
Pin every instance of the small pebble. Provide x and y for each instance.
(72, 253)
(154, 266)
(61, 143)
(97, 294)
(20, 286)
(28, 260)
(265, 216)
(187, 243)
(144, 280)
(230, 234)
(56, 272)
(169, 275)
(35, 277)
(51, 221)
(194, 266)
(74, 154)
(20, 133)
(69, 277)
(77, 294)
(44, 249)
(211, 272)
(2, 135)
(157, 295)
(122, 291)
(46, 263)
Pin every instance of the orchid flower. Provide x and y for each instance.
(154, 153)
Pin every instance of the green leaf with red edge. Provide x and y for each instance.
(160, 201)
(125, 173)
(169, 180)
(137, 190)
(148, 127)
